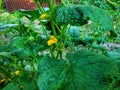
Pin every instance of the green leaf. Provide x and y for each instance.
(18, 42)
(52, 74)
(8, 26)
(25, 86)
(96, 15)
(30, 14)
(28, 85)
(86, 70)
(6, 54)
(11, 86)
(115, 55)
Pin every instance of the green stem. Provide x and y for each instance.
(59, 54)
(53, 27)
(52, 18)
(57, 27)
(112, 3)
(65, 36)
(49, 3)
(0, 4)
(52, 52)
(68, 62)
(63, 2)
(53, 4)
(42, 7)
(39, 6)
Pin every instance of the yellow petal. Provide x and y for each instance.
(17, 72)
(53, 38)
(50, 42)
(43, 16)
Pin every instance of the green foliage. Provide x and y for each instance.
(115, 55)
(29, 45)
(53, 76)
(79, 15)
(5, 54)
(69, 15)
(94, 35)
(88, 40)
(74, 33)
(101, 4)
(11, 86)
(96, 15)
(21, 50)
(22, 85)
(2, 26)
(30, 14)
(83, 70)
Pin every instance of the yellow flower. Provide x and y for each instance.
(43, 16)
(52, 40)
(108, 33)
(2, 80)
(17, 72)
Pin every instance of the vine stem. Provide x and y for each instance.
(52, 17)
(63, 2)
(0, 4)
(39, 6)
